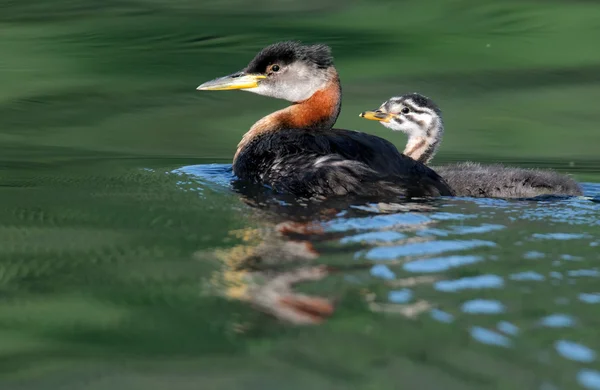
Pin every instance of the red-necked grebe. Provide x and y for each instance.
(295, 150)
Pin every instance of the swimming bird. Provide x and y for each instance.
(421, 119)
(296, 151)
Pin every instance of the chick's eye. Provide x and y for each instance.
(405, 110)
(275, 68)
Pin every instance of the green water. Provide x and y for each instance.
(116, 273)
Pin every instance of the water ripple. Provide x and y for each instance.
(527, 276)
(485, 228)
(432, 247)
(440, 264)
(559, 236)
(375, 222)
(373, 237)
(531, 255)
(590, 379)
(590, 298)
(558, 321)
(528, 247)
(441, 316)
(219, 174)
(584, 272)
(483, 306)
(507, 327)
(400, 296)
(575, 351)
(383, 272)
(475, 282)
(489, 337)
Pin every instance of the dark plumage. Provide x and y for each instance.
(285, 53)
(296, 151)
(498, 181)
(421, 119)
(338, 162)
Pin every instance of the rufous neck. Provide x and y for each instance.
(320, 111)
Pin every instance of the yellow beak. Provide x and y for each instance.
(377, 116)
(238, 80)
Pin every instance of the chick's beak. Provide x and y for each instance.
(239, 80)
(377, 116)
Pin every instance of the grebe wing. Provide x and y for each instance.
(322, 162)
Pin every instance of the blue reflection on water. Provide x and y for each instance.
(374, 237)
(382, 271)
(433, 232)
(507, 327)
(490, 337)
(590, 379)
(570, 258)
(441, 316)
(475, 282)
(400, 296)
(531, 255)
(575, 351)
(440, 264)
(371, 230)
(482, 306)
(590, 298)
(559, 236)
(432, 247)
(584, 272)
(484, 228)
(558, 321)
(527, 275)
(375, 222)
(220, 174)
(451, 216)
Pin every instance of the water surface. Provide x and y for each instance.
(128, 262)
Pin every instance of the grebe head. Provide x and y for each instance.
(413, 114)
(417, 116)
(284, 70)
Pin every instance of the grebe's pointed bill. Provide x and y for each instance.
(377, 116)
(239, 80)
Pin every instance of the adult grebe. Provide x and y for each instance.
(421, 119)
(295, 150)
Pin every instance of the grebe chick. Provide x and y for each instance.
(296, 151)
(421, 119)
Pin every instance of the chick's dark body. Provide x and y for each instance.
(334, 162)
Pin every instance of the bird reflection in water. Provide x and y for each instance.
(286, 250)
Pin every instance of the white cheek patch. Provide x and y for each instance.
(262, 89)
(392, 125)
(297, 83)
(301, 81)
(420, 123)
(412, 128)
